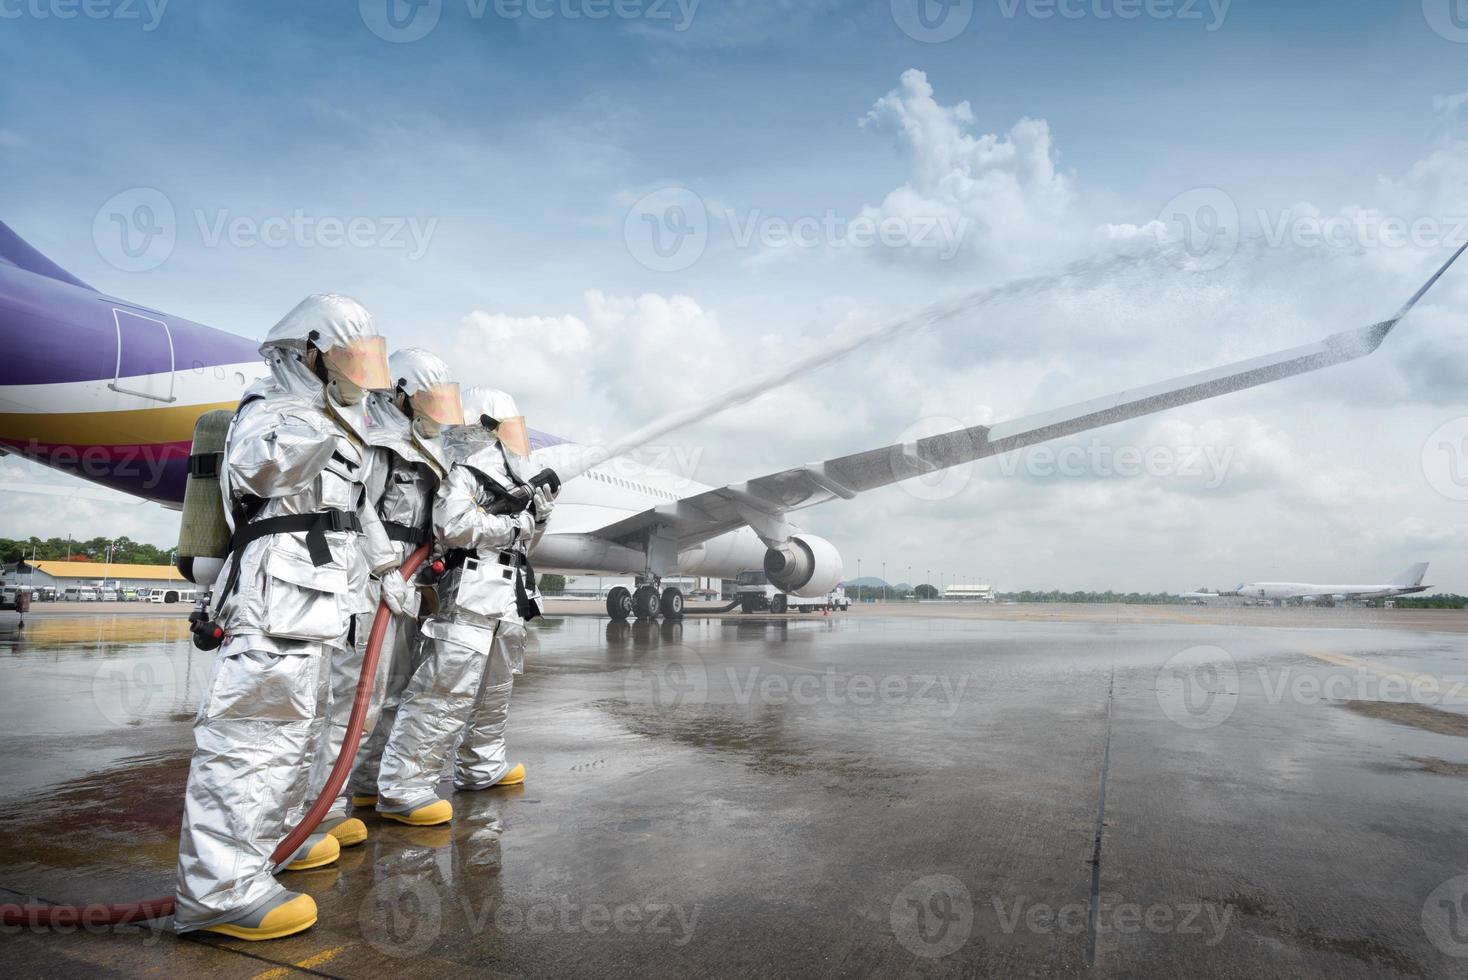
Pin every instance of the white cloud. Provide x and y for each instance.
(1004, 193)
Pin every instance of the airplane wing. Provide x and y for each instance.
(763, 501)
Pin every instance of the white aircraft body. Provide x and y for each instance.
(1407, 583)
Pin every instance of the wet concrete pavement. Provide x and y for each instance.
(924, 796)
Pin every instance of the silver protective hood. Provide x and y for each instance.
(415, 369)
(325, 320)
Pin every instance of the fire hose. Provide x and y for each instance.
(157, 908)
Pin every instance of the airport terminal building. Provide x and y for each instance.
(63, 575)
(969, 593)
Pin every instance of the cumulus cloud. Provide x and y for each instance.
(1004, 195)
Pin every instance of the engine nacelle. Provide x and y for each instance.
(805, 565)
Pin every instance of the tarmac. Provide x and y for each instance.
(977, 791)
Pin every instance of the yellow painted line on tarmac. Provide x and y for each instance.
(309, 963)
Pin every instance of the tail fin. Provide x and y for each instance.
(1411, 578)
(15, 251)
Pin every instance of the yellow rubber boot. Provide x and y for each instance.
(349, 832)
(364, 799)
(515, 777)
(290, 914)
(437, 812)
(318, 851)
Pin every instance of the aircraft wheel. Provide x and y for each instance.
(645, 602)
(619, 603)
(779, 604)
(747, 605)
(672, 603)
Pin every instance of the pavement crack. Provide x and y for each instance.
(1092, 920)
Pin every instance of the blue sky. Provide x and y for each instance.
(522, 142)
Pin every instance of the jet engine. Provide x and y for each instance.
(805, 565)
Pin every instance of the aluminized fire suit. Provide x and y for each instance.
(291, 459)
(482, 760)
(401, 481)
(477, 593)
(412, 460)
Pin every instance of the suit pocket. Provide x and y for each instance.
(302, 601)
(486, 589)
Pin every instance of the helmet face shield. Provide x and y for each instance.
(440, 403)
(363, 362)
(514, 436)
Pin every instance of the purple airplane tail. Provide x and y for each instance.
(15, 251)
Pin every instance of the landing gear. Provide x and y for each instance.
(749, 605)
(619, 603)
(645, 602)
(779, 604)
(672, 603)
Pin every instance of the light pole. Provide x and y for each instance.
(884, 581)
(858, 580)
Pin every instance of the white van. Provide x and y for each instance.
(172, 595)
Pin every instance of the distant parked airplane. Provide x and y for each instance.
(1407, 583)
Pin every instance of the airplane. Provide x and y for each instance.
(1407, 583)
(109, 390)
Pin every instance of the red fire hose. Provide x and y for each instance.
(157, 908)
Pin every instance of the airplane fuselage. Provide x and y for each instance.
(109, 391)
(1284, 591)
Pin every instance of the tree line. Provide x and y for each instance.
(125, 551)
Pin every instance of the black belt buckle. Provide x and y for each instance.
(340, 520)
